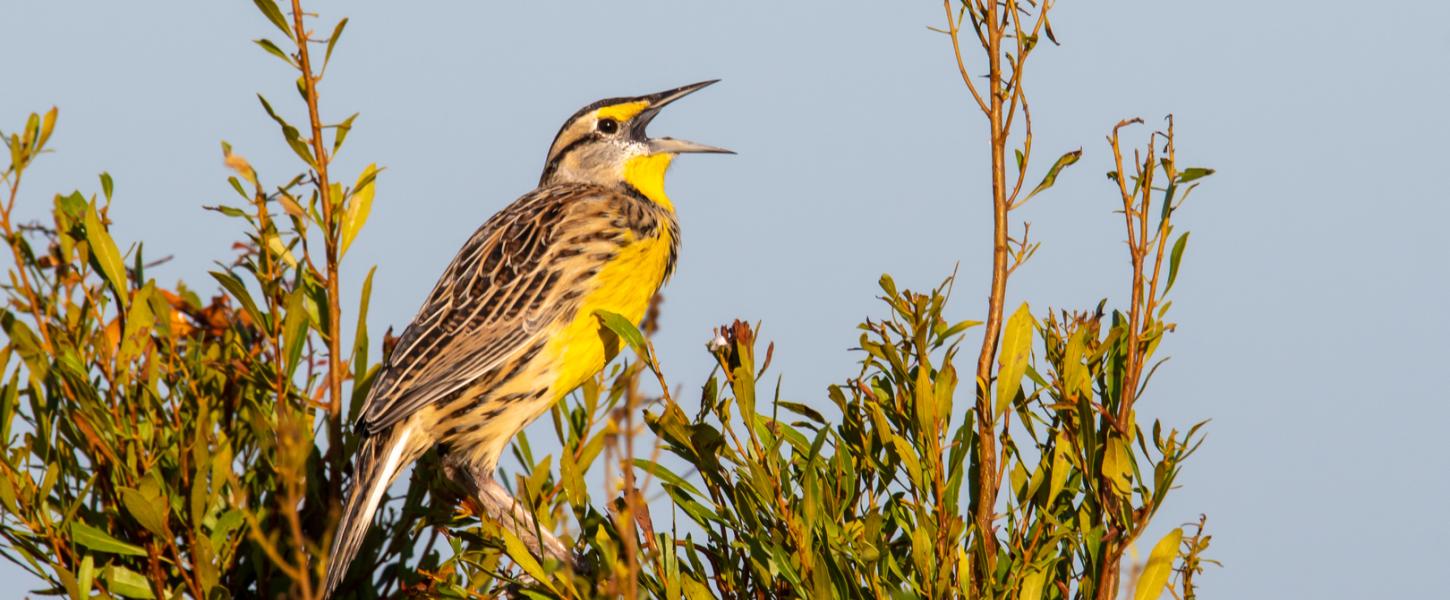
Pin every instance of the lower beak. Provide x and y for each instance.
(674, 146)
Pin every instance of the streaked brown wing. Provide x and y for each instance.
(494, 301)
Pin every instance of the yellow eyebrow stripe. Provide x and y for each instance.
(622, 112)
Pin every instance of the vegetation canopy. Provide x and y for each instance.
(193, 440)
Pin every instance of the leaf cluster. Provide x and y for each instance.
(169, 441)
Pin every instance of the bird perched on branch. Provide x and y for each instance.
(511, 327)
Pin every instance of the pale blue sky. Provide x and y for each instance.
(1312, 306)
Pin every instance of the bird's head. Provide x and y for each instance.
(605, 144)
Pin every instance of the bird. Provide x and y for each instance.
(512, 326)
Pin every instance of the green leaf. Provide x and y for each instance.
(360, 338)
(1160, 566)
(358, 206)
(1063, 162)
(239, 291)
(332, 41)
(624, 329)
(107, 185)
(272, 49)
(125, 582)
(105, 255)
(28, 345)
(1173, 260)
(803, 410)
(781, 560)
(230, 211)
(665, 475)
(1013, 355)
(148, 510)
(958, 328)
(1193, 173)
(101, 541)
(74, 205)
(294, 329)
(274, 14)
(290, 134)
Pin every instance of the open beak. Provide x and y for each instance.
(666, 144)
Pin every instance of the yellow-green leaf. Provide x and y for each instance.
(272, 49)
(108, 185)
(68, 581)
(341, 129)
(294, 329)
(1117, 465)
(269, 9)
(47, 126)
(521, 556)
(1193, 173)
(101, 541)
(106, 256)
(358, 206)
(332, 41)
(1061, 466)
(148, 510)
(1159, 568)
(1012, 356)
(280, 249)
(695, 590)
(125, 582)
(1032, 586)
(86, 575)
(1076, 378)
(624, 329)
(1063, 162)
(1174, 259)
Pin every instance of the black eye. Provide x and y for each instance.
(608, 126)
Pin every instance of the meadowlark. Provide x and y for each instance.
(510, 328)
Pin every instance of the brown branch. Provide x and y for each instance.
(953, 28)
(334, 340)
(335, 371)
(986, 435)
(1137, 248)
(1163, 225)
(11, 236)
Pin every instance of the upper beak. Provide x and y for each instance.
(665, 144)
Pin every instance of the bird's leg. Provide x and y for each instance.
(501, 506)
(497, 504)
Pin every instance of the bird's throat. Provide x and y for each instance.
(646, 174)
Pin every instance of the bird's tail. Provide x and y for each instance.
(379, 460)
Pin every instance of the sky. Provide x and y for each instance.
(1311, 305)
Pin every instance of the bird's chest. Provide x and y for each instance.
(624, 285)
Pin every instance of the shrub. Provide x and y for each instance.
(193, 441)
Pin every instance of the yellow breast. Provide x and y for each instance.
(624, 285)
